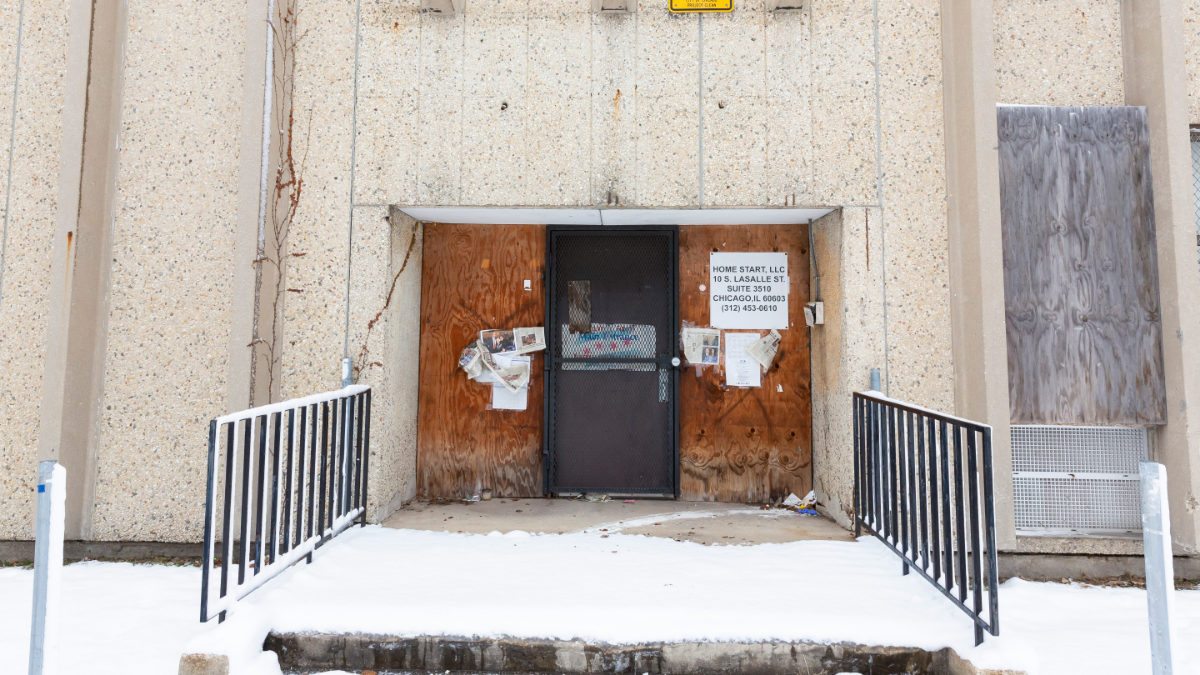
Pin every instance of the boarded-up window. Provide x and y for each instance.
(1080, 266)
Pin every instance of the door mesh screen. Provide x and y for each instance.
(611, 327)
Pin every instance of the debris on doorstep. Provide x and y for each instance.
(596, 498)
(807, 512)
(630, 501)
(472, 498)
(485, 494)
(792, 500)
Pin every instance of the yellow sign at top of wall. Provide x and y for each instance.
(684, 6)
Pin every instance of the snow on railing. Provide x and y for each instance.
(934, 507)
(306, 483)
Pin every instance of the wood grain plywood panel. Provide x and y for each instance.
(753, 444)
(1080, 266)
(473, 279)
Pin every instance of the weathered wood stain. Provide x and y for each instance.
(1080, 266)
(753, 444)
(473, 280)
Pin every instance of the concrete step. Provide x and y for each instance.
(381, 653)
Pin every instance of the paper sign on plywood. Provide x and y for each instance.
(748, 290)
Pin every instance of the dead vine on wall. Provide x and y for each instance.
(283, 201)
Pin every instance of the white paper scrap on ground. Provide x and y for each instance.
(125, 619)
(741, 370)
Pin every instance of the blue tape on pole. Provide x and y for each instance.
(41, 488)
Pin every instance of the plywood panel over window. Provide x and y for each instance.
(1080, 266)
(752, 444)
(474, 279)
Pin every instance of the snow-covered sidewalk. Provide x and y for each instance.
(596, 586)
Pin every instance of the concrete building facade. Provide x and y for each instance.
(144, 146)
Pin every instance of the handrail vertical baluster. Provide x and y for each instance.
(366, 458)
(960, 554)
(973, 490)
(989, 520)
(923, 496)
(273, 548)
(947, 514)
(244, 514)
(288, 489)
(935, 529)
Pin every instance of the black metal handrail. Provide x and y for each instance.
(918, 492)
(311, 464)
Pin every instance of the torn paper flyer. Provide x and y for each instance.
(470, 362)
(512, 372)
(764, 350)
(702, 345)
(529, 339)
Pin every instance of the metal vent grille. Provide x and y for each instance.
(1077, 480)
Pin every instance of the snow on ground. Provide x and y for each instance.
(117, 618)
(129, 619)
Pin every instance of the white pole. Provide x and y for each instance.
(1160, 566)
(47, 567)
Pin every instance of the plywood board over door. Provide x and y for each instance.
(1080, 266)
(753, 444)
(474, 279)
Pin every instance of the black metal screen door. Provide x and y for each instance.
(612, 320)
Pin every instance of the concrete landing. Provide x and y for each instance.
(701, 522)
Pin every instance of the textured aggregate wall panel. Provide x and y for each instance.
(843, 103)
(848, 253)
(789, 114)
(495, 105)
(1058, 52)
(558, 104)
(314, 325)
(614, 131)
(735, 107)
(169, 310)
(1080, 266)
(385, 297)
(388, 71)
(440, 110)
(1191, 54)
(25, 277)
(668, 162)
(920, 365)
